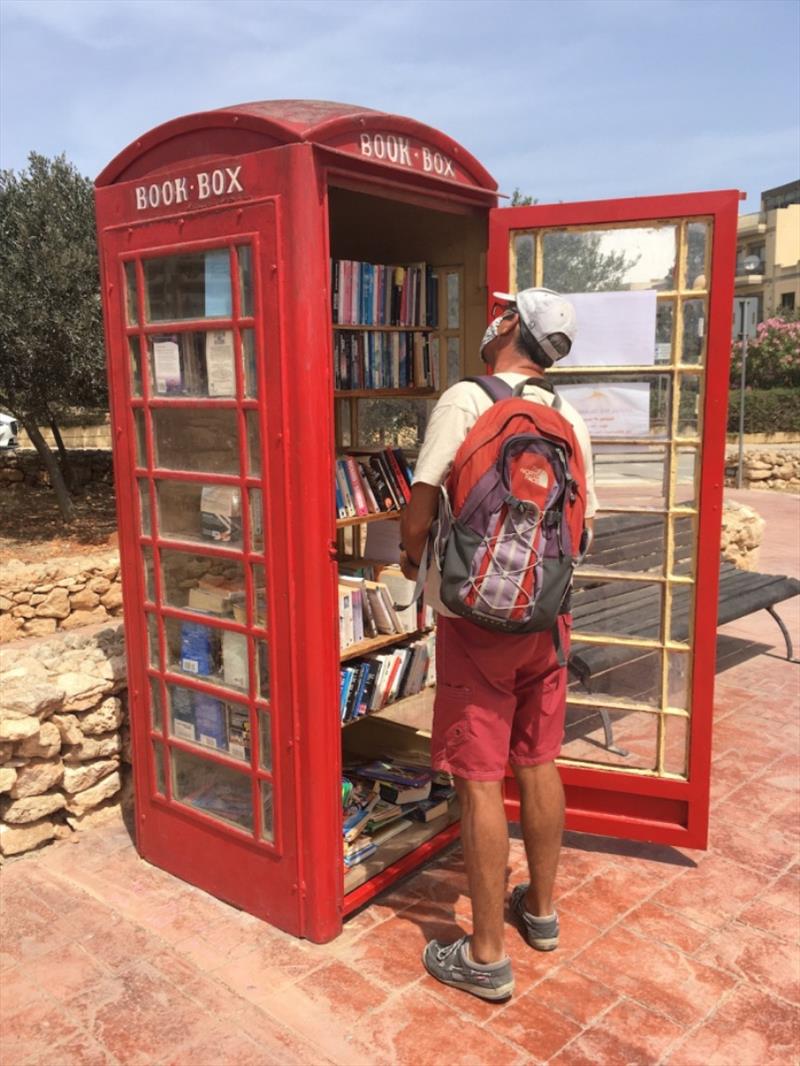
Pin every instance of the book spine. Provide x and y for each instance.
(372, 502)
(384, 492)
(397, 496)
(398, 473)
(354, 480)
(350, 510)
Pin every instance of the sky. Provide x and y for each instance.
(564, 99)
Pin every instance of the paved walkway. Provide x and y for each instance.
(667, 956)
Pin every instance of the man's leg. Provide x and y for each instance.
(484, 838)
(542, 817)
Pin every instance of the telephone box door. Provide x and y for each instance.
(195, 371)
(652, 283)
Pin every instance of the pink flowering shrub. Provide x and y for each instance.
(773, 357)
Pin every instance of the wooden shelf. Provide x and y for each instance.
(365, 647)
(360, 519)
(377, 394)
(360, 327)
(405, 711)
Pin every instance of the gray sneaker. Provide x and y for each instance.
(541, 933)
(449, 964)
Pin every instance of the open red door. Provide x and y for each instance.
(652, 283)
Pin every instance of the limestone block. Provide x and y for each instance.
(24, 668)
(100, 747)
(14, 839)
(83, 775)
(8, 775)
(22, 596)
(54, 605)
(35, 599)
(37, 777)
(82, 691)
(106, 811)
(36, 698)
(85, 618)
(6, 604)
(84, 600)
(757, 473)
(22, 610)
(785, 471)
(40, 627)
(102, 719)
(112, 600)
(100, 585)
(6, 751)
(44, 589)
(44, 745)
(84, 801)
(68, 728)
(16, 728)
(31, 808)
(10, 628)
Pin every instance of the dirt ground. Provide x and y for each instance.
(32, 530)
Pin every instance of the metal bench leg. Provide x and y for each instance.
(784, 630)
(608, 730)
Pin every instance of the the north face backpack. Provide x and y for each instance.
(510, 529)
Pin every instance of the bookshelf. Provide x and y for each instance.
(360, 520)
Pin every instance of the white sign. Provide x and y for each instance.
(614, 329)
(396, 149)
(167, 366)
(220, 363)
(611, 410)
(203, 185)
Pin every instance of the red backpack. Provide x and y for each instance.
(510, 529)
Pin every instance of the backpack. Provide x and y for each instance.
(510, 529)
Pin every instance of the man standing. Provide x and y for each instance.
(500, 697)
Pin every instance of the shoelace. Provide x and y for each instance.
(442, 954)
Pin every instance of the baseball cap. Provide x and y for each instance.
(542, 314)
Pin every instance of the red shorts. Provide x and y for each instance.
(498, 698)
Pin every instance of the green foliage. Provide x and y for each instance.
(773, 357)
(765, 411)
(518, 200)
(51, 337)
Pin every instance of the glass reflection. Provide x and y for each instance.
(189, 510)
(205, 584)
(605, 260)
(635, 736)
(194, 285)
(694, 331)
(199, 439)
(199, 363)
(524, 251)
(218, 791)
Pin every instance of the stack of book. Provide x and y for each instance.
(370, 294)
(214, 723)
(385, 798)
(369, 684)
(372, 484)
(389, 360)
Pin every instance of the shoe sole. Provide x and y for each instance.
(544, 945)
(492, 994)
(539, 943)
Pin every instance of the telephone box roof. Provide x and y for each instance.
(264, 124)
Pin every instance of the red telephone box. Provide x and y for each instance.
(217, 234)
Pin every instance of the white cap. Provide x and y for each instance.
(542, 313)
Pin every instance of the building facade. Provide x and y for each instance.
(768, 251)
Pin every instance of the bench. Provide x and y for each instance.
(635, 544)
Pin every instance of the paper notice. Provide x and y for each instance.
(167, 366)
(614, 329)
(611, 410)
(220, 363)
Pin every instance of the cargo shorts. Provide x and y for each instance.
(500, 698)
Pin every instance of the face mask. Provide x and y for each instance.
(490, 335)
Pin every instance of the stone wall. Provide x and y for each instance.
(742, 531)
(772, 469)
(23, 469)
(63, 593)
(64, 741)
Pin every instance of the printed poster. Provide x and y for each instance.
(218, 284)
(167, 366)
(220, 363)
(611, 410)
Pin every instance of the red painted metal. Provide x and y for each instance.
(628, 805)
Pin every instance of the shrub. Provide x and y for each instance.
(773, 357)
(765, 411)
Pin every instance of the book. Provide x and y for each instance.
(401, 591)
(429, 809)
(353, 475)
(199, 649)
(234, 660)
(381, 836)
(404, 795)
(361, 851)
(220, 513)
(211, 721)
(239, 732)
(392, 772)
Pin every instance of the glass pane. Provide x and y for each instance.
(135, 356)
(696, 255)
(681, 620)
(218, 655)
(198, 439)
(149, 574)
(131, 306)
(625, 406)
(617, 608)
(684, 533)
(689, 406)
(604, 260)
(453, 360)
(628, 542)
(265, 739)
(244, 255)
(180, 287)
(262, 666)
(679, 668)
(267, 813)
(206, 720)
(665, 318)
(218, 791)
(610, 670)
(200, 363)
(435, 355)
(676, 744)
(256, 520)
(694, 331)
(453, 300)
(144, 507)
(159, 769)
(687, 478)
(635, 733)
(260, 591)
(188, 510)
(141, 439)
(199, 583)
(634, 475)
(250, 368)
(156, 710)
(152, 641)
(342, 415)
(397, 423)
(253, 444)
(524, 252)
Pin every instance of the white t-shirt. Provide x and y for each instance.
(453, 417)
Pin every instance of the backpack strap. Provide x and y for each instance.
(539, 383)
(494, 387)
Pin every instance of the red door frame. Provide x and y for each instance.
(629, 805)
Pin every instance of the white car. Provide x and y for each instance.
(8, 432)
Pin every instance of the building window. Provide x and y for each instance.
(787, 301)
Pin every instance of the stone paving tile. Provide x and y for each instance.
(628, 1033)
(764, 961)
